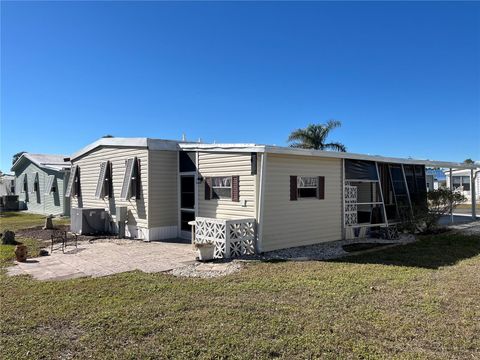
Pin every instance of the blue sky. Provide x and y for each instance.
(404, 78)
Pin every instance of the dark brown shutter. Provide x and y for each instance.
(321, 188)
(293, 188)
(138, 179)
(77, 183)
(208, 188)
(253, 164)
(235, 188)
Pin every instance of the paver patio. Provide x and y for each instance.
(107, 257)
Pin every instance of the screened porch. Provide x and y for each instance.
(378, 196)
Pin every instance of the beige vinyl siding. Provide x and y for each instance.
(89, 170)
(305, 221)
(227, 164)
(162, 191)
(39, 202)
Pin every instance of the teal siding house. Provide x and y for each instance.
(40, 183)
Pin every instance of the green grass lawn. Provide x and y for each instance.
(416, 301)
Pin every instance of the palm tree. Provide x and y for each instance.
(314, 136)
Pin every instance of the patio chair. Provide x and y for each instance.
(62, 239)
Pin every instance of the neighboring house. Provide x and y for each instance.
(462, 182)
(40, 183)
(435, 179)
(242, 196)
(7, 184)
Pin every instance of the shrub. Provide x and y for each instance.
(425, 220)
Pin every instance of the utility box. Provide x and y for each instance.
(89, 221)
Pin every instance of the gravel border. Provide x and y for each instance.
(323, 251)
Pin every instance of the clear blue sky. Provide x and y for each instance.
(404, 78)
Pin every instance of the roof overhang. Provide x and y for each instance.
(354, 156)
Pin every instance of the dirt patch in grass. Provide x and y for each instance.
(39, 233)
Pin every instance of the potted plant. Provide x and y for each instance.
(21, 253)
(206, 251)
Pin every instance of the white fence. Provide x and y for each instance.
(232, 238)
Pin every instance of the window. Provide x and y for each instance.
(104, 183)
(73, 186)
(461, 183)
(33, 182)
(131, 180)
(222, 187)
(307, 187)
(187, 161)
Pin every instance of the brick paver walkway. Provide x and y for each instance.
(107, 257)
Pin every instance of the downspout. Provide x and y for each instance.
(261, 201)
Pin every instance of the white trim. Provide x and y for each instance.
(147, 143)
(261, 200)
(160, 233)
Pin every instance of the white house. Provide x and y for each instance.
(462, 182)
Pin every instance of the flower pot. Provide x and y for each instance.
(21, 253)
(206, 252)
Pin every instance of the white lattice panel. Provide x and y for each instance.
(232, 238)
(351, 214)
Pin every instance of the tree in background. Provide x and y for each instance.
(314, 136)
(17, 156)
(469, 161)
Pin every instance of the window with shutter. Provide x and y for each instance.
(33, 182)
(49, 184)
(321, 188)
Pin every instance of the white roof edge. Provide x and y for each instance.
(148, 143)
(346, 155)
(223, 147)
(46, 165)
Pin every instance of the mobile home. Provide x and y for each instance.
(40, 181)
(245, 197)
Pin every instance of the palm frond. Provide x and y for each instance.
(336, 146)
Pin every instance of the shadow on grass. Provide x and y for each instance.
(430, 252)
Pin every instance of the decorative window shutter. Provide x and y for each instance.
(253, 164)
(71, 180)
(100, 191)
(235, 188)
(293, 188)
(127, 179)
(137, 174)
(49, 184)
(321, 188)
(77, 182)
(208, 188)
